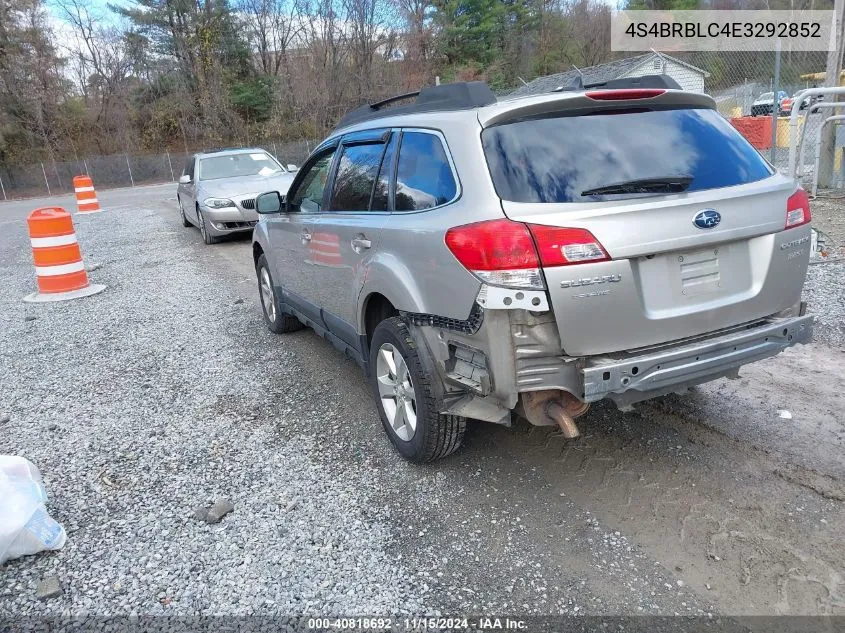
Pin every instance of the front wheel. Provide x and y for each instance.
(406, 399)
(182, 215)
(207, 237)
(277, 321)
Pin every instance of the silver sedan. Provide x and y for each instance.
(217, 190)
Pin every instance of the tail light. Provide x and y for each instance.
(561, 246)
(797, 209)
(500, 252)
(624, 95)
(508, 253)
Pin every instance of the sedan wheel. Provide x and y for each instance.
(182, 213)
(396, 392)
(206, 236)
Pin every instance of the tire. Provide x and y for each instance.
(277, 321)
(182, 215)
(421, 434)
(207, 237)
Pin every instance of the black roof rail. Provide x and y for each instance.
(456, 96)
(380, 104)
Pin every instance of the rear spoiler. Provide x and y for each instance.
(580, 102)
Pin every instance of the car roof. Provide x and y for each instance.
(229, 151)
(519, 107)
(475, 101)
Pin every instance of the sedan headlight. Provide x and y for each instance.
(218, 203)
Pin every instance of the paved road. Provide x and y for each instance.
(709, 503)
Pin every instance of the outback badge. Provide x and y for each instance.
(707, 218)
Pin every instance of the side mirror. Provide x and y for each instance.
(292, 167)
(270, 202)
(184, 179)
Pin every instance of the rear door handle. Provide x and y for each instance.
(360, 243)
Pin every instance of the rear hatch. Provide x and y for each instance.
(684, 220)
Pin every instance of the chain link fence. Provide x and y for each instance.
(754, 90)
(50, 178)
(749, 88)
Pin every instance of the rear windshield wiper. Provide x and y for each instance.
(669, 184)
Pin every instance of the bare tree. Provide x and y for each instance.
(368, 29)
(103, 68)
(273, 27)
(418, 38)
(588, 26)
(31, 83)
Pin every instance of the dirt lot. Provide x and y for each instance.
(166, 392)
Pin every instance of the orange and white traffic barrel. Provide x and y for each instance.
(58, 261)
(86, 197)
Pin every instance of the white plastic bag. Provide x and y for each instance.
(25, 526)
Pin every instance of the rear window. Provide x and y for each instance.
(626, 154)
(424, 177)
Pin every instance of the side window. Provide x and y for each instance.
(308, 197)
(356, 175)
(424, 178)
(382, 188)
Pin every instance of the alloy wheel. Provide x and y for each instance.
(396, 392)
(202, 223)
(267, 297)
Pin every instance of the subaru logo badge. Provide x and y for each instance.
(707, 218)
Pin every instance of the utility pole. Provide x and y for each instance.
(775, 105)
(831, 79)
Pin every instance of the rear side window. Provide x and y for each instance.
(613, 156)
(356, 175)
(424, 178)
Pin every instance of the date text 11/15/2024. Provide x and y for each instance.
(415, 623)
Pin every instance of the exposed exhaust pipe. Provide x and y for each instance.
(565, 421)
(554, 407)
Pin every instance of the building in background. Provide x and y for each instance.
(689, 77)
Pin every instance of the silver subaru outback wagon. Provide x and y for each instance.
(483, 258)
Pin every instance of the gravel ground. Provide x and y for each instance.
(125, 473)
(829, 216)
(166, 392)
(824, 292)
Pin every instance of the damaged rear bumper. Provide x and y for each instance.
(647, 373)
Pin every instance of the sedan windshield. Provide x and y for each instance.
(235, 165)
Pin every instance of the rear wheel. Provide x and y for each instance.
(277, 321)
(406, 399)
